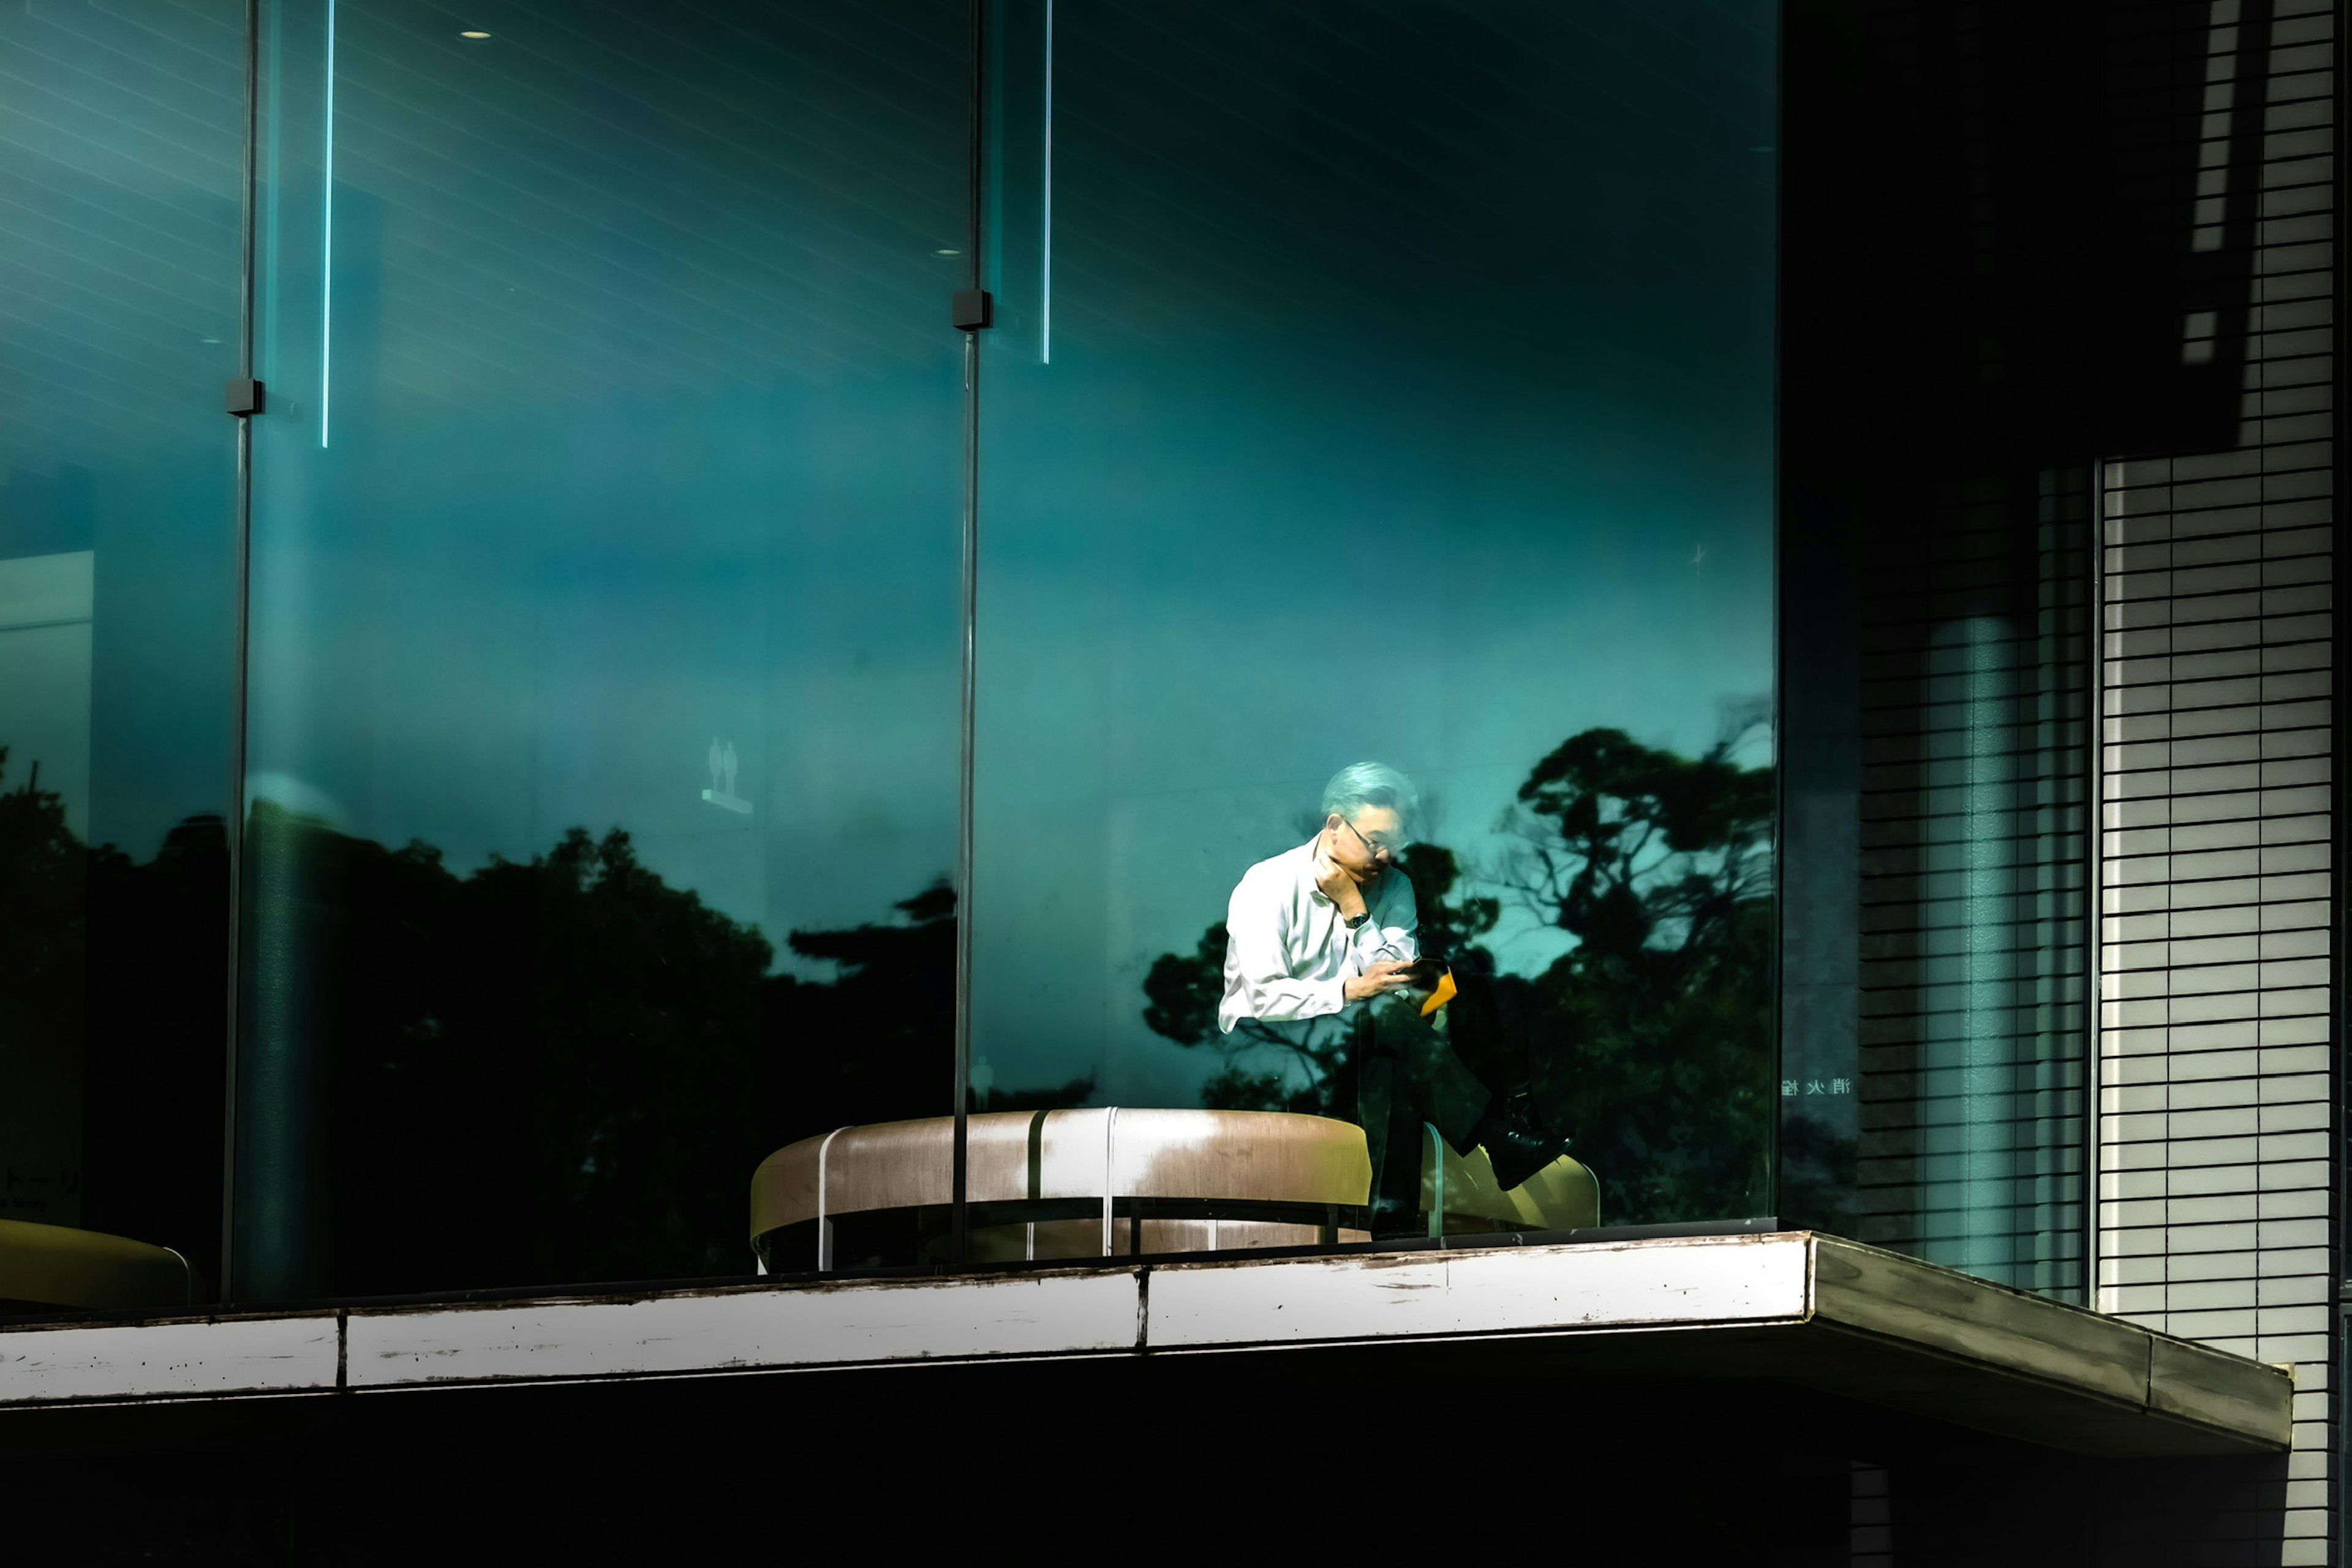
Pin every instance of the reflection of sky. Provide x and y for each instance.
(119, 271)
(486, 657)
(1435, 440)
(1355, 443)
(1174, 661)
(1410, 399)
(645, 436)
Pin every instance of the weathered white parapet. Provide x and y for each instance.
(1788, 1307)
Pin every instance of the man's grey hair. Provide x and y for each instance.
(1359, 785)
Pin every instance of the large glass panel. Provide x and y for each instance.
(120, 189)
(605, 641)
(1938, 864)
(1940, 612)
(1390, 388)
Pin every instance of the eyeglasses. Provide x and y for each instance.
(1390, 850)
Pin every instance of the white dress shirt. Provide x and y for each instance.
(1288, 952)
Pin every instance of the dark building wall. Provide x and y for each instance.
(2045, 265)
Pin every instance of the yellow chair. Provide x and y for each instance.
(1461, 1197)
(58, 1266)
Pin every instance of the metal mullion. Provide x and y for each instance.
(233, 818)
(959, 1202)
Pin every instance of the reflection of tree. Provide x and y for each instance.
(535, 1072)
(1651, 1039)
(565, 1069)
(552, 1070)
(44, 916)
(1655, 1033)
(116, 968)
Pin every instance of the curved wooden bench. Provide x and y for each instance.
(1099, 1183)
(1067, 1183)
(58, 1266)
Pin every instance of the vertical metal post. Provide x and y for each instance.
(327, 236)
(1110, 1173)
(1437, 1182)
(1046, 224)
(233, 818)
(959, 1202)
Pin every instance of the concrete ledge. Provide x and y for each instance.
(1794, 1307)
(182, 1358)
(793, 1326)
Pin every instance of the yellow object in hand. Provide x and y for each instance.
(1441, 996)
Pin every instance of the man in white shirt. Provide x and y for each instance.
(1330, 928)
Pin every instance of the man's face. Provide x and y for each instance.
(1365, 847)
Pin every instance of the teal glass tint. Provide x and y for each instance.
(1934, 1094)
(1970, 1059)
(1392, 387)
(605, 629)
(122, 145)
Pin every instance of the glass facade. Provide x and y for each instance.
(602, 777)
(1364, 490)
(1306, 442)
(122, 157)
(1935, 1024)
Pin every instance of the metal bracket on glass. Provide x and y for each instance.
(243, 396)
(1437, 1197)
(973, 309)
(825, 1221)
(1110, 1168)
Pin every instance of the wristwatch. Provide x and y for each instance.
(1359, 920)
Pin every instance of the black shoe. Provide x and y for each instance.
(1388, 1220)
(1516, 1144)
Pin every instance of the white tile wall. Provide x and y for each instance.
(2216, 1079)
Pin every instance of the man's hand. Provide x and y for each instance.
(1338, 884)
(1388, 974)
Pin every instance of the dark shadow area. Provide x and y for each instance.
(549, 1070)
(541, 1073)
(116, 968)
(1999, 268)
(1720, 1473)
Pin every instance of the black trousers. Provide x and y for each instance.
(1408, 1079)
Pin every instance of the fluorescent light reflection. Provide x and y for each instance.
(327, 238)
(1045, 282)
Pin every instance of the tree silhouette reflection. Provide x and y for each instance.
(563, 1068)
(1650, 1040)
(114, 969)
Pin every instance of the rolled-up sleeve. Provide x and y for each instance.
(1258, 982)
